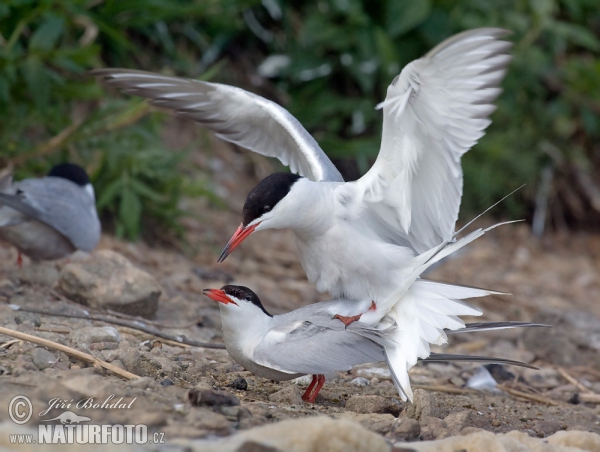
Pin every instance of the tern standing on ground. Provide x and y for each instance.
(50, 217)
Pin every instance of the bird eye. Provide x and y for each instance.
(248, 298)
(267, 208)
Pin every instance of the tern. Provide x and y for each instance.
(308, 341)
(372, 238)
(50, 217)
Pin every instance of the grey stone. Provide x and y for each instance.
(378, 423)
(28, 317)
(94, 334)
(456, 422)
(290, 395)
(42, 358)
(131, 359)
(406, 430)
(433, 428)
(210, 397)
(361, 381)
(373, 404)
(108, 280)
(422, 405)
(544, 428)
(39, 273)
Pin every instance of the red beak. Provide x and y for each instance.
(218, 295)
(238, 237)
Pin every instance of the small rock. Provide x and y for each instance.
(108, 280)
(235, 413)
(422, 405)
(166, 382)
(131, 359)
(360, 381)
(39, 273)
(88, 335)
(290, 395)
(468, 430)
(456, 422)
(378, 423)
(42, 358)
(303, 380)
(240, 384)
(372, 404)
(406, 430)
(29, 317)
(433, 428)
(210, 397)
(496, 423)
(546, 428)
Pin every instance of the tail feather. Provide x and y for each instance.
(440, 357)
(489, 326)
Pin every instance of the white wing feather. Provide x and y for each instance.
(236, 115)
(434, 112)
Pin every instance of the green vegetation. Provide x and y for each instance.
(329, 62)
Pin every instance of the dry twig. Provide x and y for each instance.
(525, 395)
(573, 381)
(70, 351)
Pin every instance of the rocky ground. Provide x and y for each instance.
(198, 395)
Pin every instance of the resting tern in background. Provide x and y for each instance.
(309, 341)
(371, 238)
(50, 217)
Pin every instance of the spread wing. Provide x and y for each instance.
(60, 204)
(434, 112)
(236, 115)
(298, 347)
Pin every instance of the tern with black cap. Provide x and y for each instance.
(308, 341)
(50, 217)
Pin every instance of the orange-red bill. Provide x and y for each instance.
(238, 237)
(218, 295)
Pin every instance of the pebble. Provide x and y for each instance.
(290, 395)
(376, 422)
(456, 422)
(92, 334)
(28, 317)
(433, 428)
(406, 430)
(360, 381)
(544, 428)
(422, 405)
(39, 273)
(210, 397)
(107, 280)
(43, 358)
(240, 384)
(372, 404)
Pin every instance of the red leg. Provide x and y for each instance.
(306, 395)
(320, 383)
(20, 260)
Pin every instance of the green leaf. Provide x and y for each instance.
(47, 34)
(404, 15)
(130, 210)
